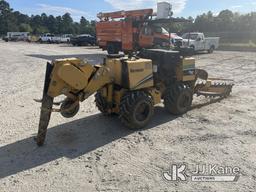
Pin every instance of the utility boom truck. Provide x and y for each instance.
(133, 30)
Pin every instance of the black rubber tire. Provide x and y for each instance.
(211, 50)
(112, 49)
(65, 105)
(193, 49)
(178, 99)
(101, 103)
(136, 109)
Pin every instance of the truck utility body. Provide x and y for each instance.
(130, 30)
(199, 42)
(66, 38)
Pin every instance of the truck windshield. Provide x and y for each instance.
(161, 30)
(190, 36)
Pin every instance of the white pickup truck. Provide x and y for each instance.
(198, 42)
(49, 38)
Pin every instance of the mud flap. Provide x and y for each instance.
(46, 109)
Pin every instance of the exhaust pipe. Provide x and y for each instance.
(46, 109)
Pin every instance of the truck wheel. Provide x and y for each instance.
(112, 49)
(178, 99)
(211, 49)
(193, 49)
(136, 110)
(101, 104)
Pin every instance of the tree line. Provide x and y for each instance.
(230, 26)
(11, 20)
(226, 20)
(226, 23)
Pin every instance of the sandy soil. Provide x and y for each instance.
(96, 153)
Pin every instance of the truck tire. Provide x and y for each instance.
(178, 99)
(101, 104)
(112, 49)
(136, 110)
(193, 49)
(211, 50)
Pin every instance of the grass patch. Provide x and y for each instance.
(246, 45)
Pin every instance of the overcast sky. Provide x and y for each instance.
(90, 8)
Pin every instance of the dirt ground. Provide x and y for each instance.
(95, 153)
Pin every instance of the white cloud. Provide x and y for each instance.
(59, 10)
(236, 6)
(253, 3)
(178, 5)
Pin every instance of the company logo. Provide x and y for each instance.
(202, 173)
(177, 172)
(136, 70)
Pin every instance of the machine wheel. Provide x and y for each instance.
(101, 103)
(66, 105)
(178, 99)
(136, 110)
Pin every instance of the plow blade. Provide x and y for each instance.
(46, 109)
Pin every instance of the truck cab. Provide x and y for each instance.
(154, 36)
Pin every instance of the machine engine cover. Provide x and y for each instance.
(165, 61)
(132, 73)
